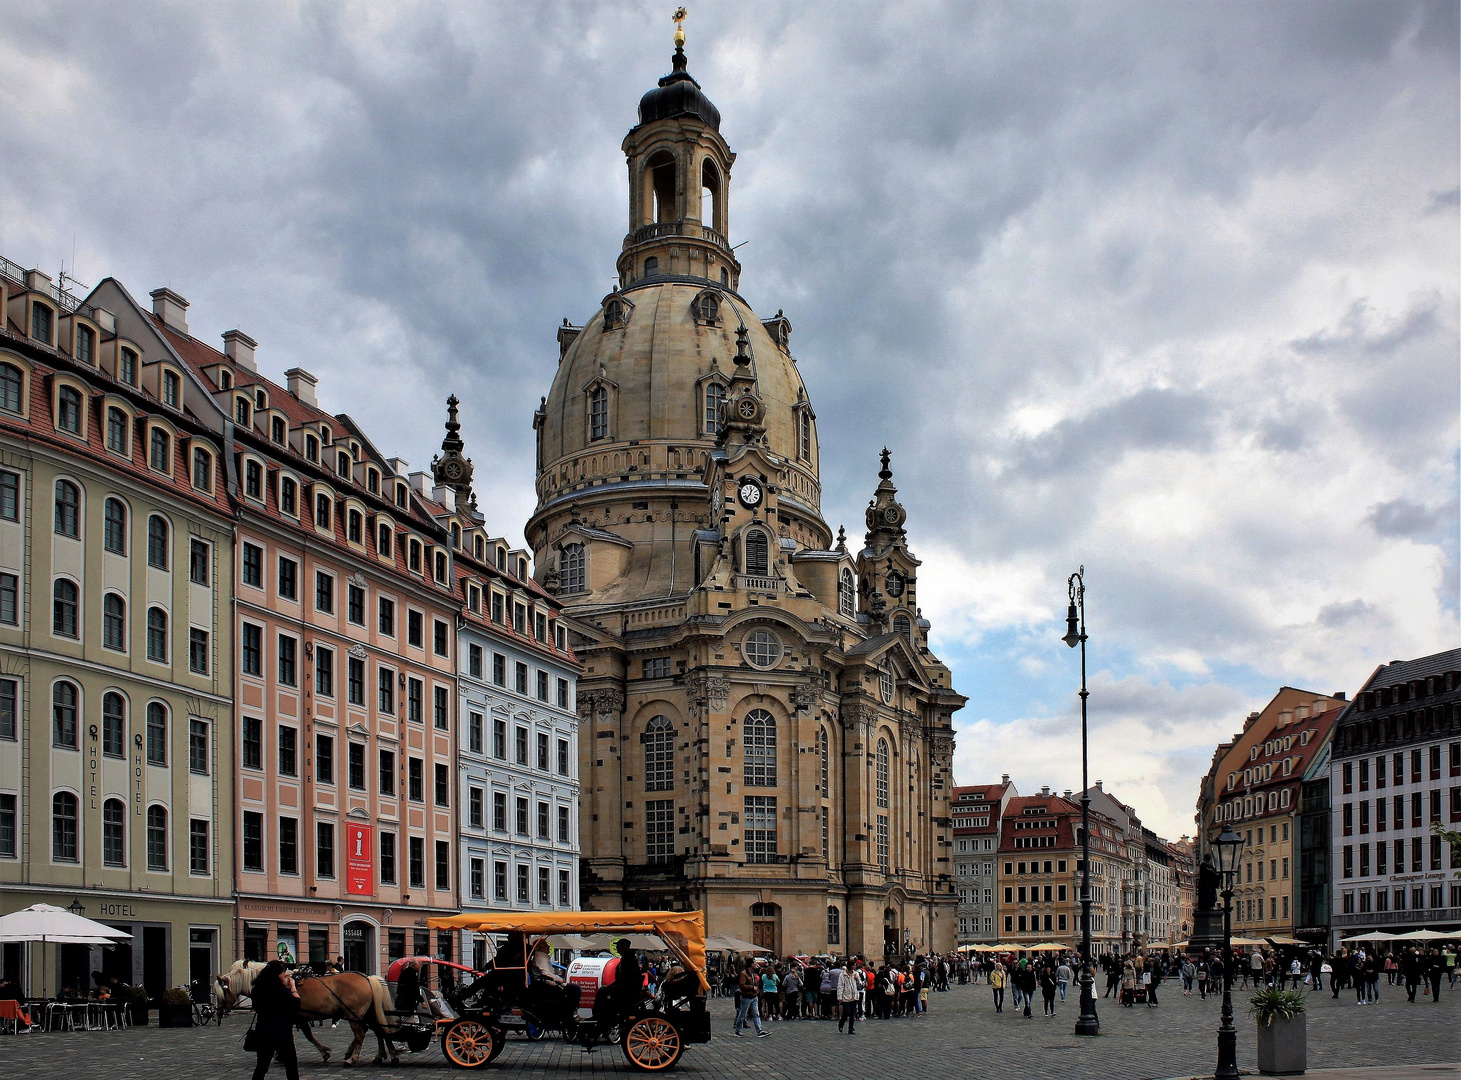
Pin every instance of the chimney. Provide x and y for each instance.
(171, 308)
(1004, 778)
(36, 281)
(1067, 793)
(418, 482)
(1099, 786)
(302, 385)
(1338, 695)
(398, 465)
(1045, 791)
(239, 348)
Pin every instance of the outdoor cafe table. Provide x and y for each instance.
(11, 1011)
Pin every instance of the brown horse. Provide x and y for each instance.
(363, 1001)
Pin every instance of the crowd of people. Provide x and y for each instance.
(844, 989)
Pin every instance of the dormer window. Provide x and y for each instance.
(261, 398)
(12, 385)
(522, 569)
(172, 389)
(474, 598)
(502, 560)
(439, 567)
(325, 434)
(241, 411)
(354, 450)
(613, 314)
(289, 496)
(402, 496)
(322, 510)
(342, 464)
(42, 319)
(118, 430)
(479, 547)
(714, 403)
(456, 536)
(202, 469)
(804, 433)
(127, 366)
(86, 345)
(706, 309)
(383, 540)
(372, 481)
(68, 410)
(311, 448)
(598, 413)
(225, 379)
(278, 430)
(253, 480)
(571, 568)
(355, 527)
(160, 450)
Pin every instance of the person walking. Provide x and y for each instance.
(792, 992)
(1063, 977)
(771, 994)
(1435, 967)
(848, 989)
(1189, 976)
(1047, 988)
(1151, 989)
(276, 1003)
(750, 993)
(1128, 984)
(1026, 979)
(997, 978)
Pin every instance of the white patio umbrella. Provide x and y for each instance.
(1422, 935)
(726, 943)
(1373, 935)
(51, 925)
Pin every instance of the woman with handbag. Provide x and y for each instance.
(276, 1003)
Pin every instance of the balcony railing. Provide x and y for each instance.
(661, 229)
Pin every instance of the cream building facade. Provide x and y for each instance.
(765, 734)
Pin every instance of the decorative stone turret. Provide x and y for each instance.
(451, 469)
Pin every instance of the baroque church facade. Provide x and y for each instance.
(764, 731)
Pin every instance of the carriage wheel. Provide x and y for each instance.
(653, 1043)
(469, 1044)
(499, 1043)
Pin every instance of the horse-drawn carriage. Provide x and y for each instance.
(652, 1029)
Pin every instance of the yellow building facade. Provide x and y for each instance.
(766, 734)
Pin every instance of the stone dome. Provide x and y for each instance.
(654, 364)
(678, 94)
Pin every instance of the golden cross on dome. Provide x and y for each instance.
(679, 18)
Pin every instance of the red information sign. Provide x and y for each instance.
(359, 860)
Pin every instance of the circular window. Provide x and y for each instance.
(761, 648)
(885, 687)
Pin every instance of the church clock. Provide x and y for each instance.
(750, 493)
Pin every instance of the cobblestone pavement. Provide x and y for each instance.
(961, 1036)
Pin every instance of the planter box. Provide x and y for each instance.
(1283, 1047)
(175, 1016)
(139, 1014)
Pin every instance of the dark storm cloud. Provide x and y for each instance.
(1169, 289)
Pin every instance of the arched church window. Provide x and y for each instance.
(822, 752)
(651, 266)
(598, 413)
(659, 755)
(661, 174)
(758, 734)
(881, 763)
(725, 277)
(804, 434)
(902, 626)
(613, 314)
(757, 557)
(846, 595)
(834, 926)
(710, 195)
(714, 399)
(570, 569)
(885, 686)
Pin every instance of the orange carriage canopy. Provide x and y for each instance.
(683, 931)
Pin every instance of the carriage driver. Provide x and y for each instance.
(408, 988)
(542, 964)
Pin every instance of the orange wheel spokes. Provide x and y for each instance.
(469, 1044)
(653, 1043)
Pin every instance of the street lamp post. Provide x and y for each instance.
(1075, 634)
(1228, 848)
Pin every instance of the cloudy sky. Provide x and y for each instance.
(1167, 290)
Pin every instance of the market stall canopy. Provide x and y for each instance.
(1046, 946)
(726, 943)
(57, 926)
(1248, 943)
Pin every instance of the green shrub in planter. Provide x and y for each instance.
(137, 1004)
(176, 1008)
(1283, 1038)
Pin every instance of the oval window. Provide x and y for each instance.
(761, 648)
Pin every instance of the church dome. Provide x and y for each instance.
(628, 406)
(678, 94)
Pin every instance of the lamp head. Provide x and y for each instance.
(1072, 628)
(1227, 850)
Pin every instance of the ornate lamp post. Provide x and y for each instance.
(1227, 850)
(1075, 634)
(76, 907)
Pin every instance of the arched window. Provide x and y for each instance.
(659, 755)
(156, 733)
(157, 542)
(714, 402)
(834, 926)
(68, 410)
(651, 266)
(881, 763)
(203, 468)
(65, 699)
(660, 172)
(571, 573)
(598, 413)
(383, 540)
(903, 627)
(161, 451)
(157, 635)
(68, 509)
(804, 433)
(846, 595)
(613, 314)
(156, 838)
(114, 527)
(241, 411)
(64, 609)
(113, 725)
(355, 530)
(86, 346)
(117, 430)
(758, 734)
(63, 828)
(710, 195)
(114, 622)
(10, 386)
(825, 756)
(757, 556)
(114, 833)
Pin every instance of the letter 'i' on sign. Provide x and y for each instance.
(359, 862)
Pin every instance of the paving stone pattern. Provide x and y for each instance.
(960, 1036)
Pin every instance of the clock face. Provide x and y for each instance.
(747, 409)
(750, 494)
(895, 584)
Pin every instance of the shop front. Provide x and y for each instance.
(175, 942)
(360, 937)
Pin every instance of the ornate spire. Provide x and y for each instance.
(885, 514)
(451, 468)
(841, 538)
